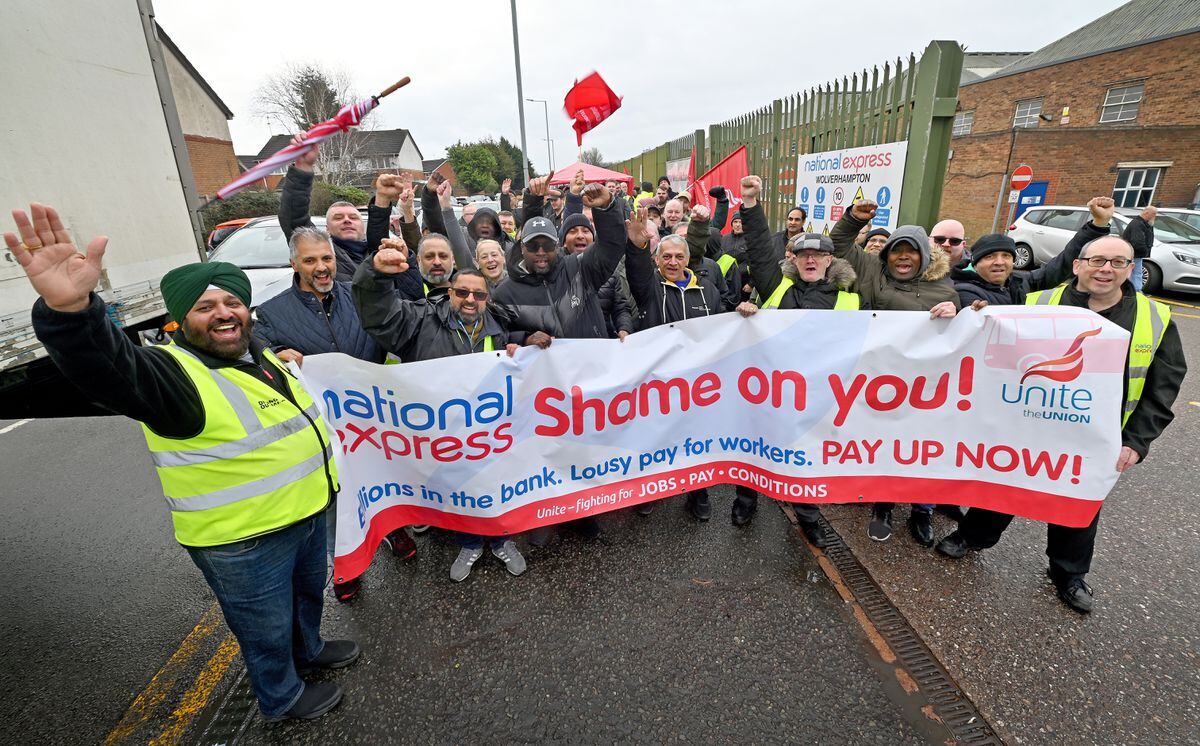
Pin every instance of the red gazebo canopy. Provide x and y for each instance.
(591, 174)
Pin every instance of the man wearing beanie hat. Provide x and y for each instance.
(240, 447)
(992, 279)
(909, 274)
(874, 240)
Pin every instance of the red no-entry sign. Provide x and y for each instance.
(1021, 177)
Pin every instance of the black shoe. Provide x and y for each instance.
(1076, 594)
(815, 533)
(954, 512)
(700, 507)
(742, 513)
(645, 508)
(954, 546)
(335, 654)
(920, 525)
(348, 591)
(880, 527)
(587, 528)
(317, 699)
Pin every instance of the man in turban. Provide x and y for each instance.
(240, 447)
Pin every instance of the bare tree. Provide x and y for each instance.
(302, 95)
(592, 156)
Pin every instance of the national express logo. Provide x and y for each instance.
(1032, 344)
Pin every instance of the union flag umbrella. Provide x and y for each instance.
(589, 102)
(350, 115)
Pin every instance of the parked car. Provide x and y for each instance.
(222, 231)
(260, 249)
(1191, 217)
(1174, 263)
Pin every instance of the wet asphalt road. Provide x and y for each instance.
(665, 630)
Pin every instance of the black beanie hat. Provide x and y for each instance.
(990, 244)
(876, 232)
(574, 220)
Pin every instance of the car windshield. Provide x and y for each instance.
(1172, 230)
(259, 245)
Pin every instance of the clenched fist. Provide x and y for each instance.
(392, 257)
(538, 186)
(864, 210)
(1102, 210)
(751, 188)
(701, 213)
(596, 196)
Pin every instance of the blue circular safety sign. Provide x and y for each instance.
(884, 196)
(803, 194)
(820, 194)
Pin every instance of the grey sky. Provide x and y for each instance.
(679, 66)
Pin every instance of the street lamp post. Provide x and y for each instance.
(520, 96)
(546, 112)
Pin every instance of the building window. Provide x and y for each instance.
(1135, 186)
(1028, 113)
(963, 121)
(1121, 103)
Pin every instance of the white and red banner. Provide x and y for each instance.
(1015, 409)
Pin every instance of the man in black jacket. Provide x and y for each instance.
(796, 218)
(342, 220)
(1101, 284)
(1140, 235)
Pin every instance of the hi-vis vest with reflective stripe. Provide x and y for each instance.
(1149, 324)
(845, 301)
(725, 261)
(258, 465)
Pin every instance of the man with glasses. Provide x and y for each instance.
(951, 237)
(1154, 371)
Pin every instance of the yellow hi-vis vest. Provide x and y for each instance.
(1149, 324)
(393, 359)
(725, 261)
(261, 463)
(845, 301)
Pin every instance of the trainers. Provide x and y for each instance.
(742, 512)
(815, 533)
(700, 506)
(953, 512)
(401, 544)
(645, 508)
(318, 698)
(510, 556)
(1076, 594)
(348, 591)
(464, 562)
(954, 546)
(880, 527)
(920, 525)
(335, 654)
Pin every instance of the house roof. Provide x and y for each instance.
(1134, 23)
(187, 65)
(366, 143)
(432, 164)
(979, 65)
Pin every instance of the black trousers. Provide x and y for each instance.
(1069, 549)
(805, 512)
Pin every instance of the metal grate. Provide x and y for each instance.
(233, 716)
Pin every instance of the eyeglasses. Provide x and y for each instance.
(540, 248)
(1117, 262)
(462, 293)
(949, 241)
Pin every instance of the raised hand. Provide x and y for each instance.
(59, 273)
(445, 193)
(865, 210)
(308, 159)
(1102, 210)
(701, 213)
(595, 196)
(392, 257)
(636, 231)
(387, 189)
(577, 182)
(751, 188)
(717, 193)
(405, 197)
(538, 186)
(506, 186)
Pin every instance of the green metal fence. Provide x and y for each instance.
(911, 99)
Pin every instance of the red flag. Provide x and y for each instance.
(728, 173)
(589, 102)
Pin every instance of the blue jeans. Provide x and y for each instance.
(271, 589)
(1136, 277)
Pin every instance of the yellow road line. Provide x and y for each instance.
(164, 681)
(196, 698)
(1174, 302)
(1181, 313)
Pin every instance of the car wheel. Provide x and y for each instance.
(1151, 277)
(1024, 258)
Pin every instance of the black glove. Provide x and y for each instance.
(717, 193)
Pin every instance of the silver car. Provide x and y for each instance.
(1191, 217)
(1042, 232)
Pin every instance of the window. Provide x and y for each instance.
(962, 123)
(1066, 220)
(1028, 113)
(1121, 103)
(1034, 216)
(1135, 186)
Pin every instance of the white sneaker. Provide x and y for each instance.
(463, 563)
(510, 556)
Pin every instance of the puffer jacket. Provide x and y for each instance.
(297, 320)
(878, 288)
(618, 310)
(703, 247)
(570, 290)
(661, 301)
(767, 273)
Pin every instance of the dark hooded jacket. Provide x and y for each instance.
(768, 273)
(297, 320)
(972, 287)
(878, 288)
(703, 248)
(294, 197)
(661, 301)
(487, 215)
(408, 284)
(570, 289)
(1140, 235)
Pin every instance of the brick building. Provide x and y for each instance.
(1112, 108)
(204, 118)
(440, 166)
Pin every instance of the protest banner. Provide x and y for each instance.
(829, 183)
(1015, 409)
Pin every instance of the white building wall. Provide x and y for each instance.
(198, 113)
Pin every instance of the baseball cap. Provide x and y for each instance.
(540, 226)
